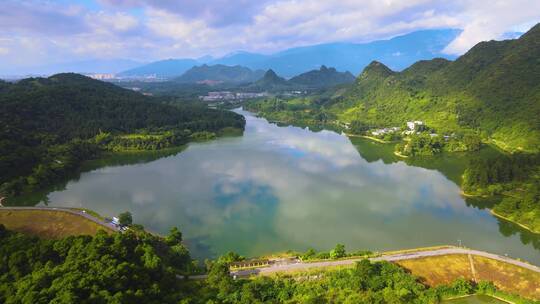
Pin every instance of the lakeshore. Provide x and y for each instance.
(514, 222)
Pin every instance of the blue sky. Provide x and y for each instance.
(34, 32)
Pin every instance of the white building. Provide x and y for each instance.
(412, 124)
(115, 220)
(101, 76)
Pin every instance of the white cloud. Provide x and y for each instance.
(487, 20)
(105, 22)
(148, 30)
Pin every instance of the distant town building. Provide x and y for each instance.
(384, 131)
(101, 76)
(115, 220)
(412, 124)
(227, 95)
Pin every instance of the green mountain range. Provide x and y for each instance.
(493, 89)
(315, 79)
(270, 82)
(322, 78)
(219, 73)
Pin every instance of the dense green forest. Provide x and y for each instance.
(134, 267)
(137, 267)
(270, 82)
(48, 126)
(516, 178)
(322, 78)
(219, 73)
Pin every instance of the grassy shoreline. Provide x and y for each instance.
(107, 154)
(396, 153)
(500, 216)
(382, 141)
(514, 222)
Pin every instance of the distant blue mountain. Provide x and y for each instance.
(82, 67)
(397, 53)
(219, 73)
(241, 58)
(164, 68)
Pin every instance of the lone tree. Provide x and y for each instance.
(338, 251)
(125, 218)
(174, 237)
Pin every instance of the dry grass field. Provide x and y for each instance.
(48, 224)
(508, 277)
(444, 269)
(439, 270)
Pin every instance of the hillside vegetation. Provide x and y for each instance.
(49, 125)
(322, 78)
(219, 73)
(493, 89)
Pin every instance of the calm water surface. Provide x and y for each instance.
(279, 188)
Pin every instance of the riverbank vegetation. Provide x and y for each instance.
(338, 252)
(515, 179)
(49, 126)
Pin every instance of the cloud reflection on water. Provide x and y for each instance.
(280, 188)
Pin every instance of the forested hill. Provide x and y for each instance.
(493, 89)
(219, 73)
(66, 106)
(322, 78)
(270, 82)
(45, 119)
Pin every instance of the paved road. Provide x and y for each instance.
(68, 210)
(390, 258)
(305, 266)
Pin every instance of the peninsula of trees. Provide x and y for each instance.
(48, 126)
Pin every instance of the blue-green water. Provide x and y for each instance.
(278, 188)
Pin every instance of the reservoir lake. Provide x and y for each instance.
(279, 188)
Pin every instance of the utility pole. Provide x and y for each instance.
(459, 241)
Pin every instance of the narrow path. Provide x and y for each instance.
(473, 271)
(68, 210)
